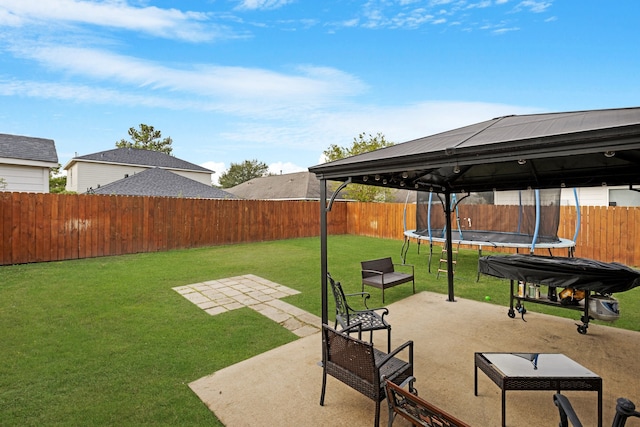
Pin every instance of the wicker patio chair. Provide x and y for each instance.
(361, 366)
(370, 319)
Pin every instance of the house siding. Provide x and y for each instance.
(590, 196)
(82, 176)
(32, 179)
(587, 196)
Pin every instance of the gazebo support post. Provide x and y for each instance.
(325, 207)
(448, 245)
(323, 250)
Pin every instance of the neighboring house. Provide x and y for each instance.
(295, 186)
(86, 173)
(161, 182)
(602, 195)
(25, 163)
(290, 186)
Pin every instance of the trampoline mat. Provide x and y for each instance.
(489, 236)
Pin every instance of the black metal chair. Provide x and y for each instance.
(361, 366)
(624, 409)
(369, 318)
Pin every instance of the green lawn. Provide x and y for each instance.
(106, 341)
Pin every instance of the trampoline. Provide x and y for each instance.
(523, 220)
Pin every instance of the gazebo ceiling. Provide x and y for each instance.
(572, 149)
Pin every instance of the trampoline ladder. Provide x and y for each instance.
(442, 267)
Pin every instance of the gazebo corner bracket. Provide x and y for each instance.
(335, 194)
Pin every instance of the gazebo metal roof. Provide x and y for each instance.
(570, 149)
(573, 149)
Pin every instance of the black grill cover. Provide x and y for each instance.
(577, 273)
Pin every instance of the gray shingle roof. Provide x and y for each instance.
(298, 186)
(294, 186)
(27, 148)
(136, 156)
(162, 183)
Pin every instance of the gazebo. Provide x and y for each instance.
(537, 151)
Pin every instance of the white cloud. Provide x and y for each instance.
(165, 23)
(218, 169)
(500, 31)
(350, 23)
(85, 93)
(263, 4)
(480, 5)
(440, 2)
(279, 168)
(7, 18)
(413, 14)
(305, 84)
(413, 19)
(534, 5)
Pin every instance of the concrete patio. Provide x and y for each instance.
(282, 387)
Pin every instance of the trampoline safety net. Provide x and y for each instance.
(505, 217)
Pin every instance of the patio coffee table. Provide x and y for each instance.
(536, 371)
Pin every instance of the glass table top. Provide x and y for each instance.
(537, 365)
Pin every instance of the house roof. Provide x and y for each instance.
(27, 148)
(162, 183)
(572, 149)
(295, 186)
(290, 186)
(136, 156)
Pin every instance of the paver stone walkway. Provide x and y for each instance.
(261, 295)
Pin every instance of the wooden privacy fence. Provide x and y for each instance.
(51, 227)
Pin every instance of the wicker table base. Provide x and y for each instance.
(536, 371)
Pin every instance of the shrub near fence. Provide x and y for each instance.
(51, 227)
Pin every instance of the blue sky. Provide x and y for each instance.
(281, 80)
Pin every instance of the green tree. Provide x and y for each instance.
(147, 138)
(57, 182)
(242, 172)
(363, 143)
(3, 184)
